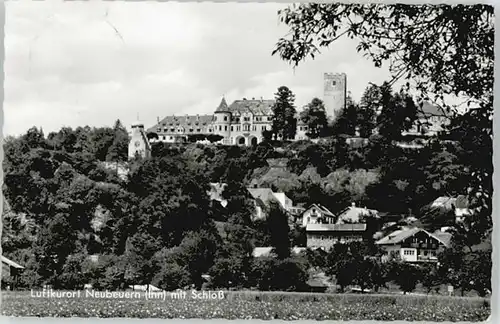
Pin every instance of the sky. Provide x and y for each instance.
(91, 63)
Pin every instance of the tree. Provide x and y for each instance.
(346, 121)
(172, 276)
(197, 253)
(398, 113)
(214, 138)
(284, 122)
(118, 151)
(406, 276)
(430, 277)
(277, 221)
(314, 116)
(368, 107)
(34, 138)
(152, 135)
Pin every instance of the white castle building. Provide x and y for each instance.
(240, 123)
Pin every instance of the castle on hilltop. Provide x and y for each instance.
(240, 123)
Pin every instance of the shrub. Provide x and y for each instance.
(172, 276)
(287, 275)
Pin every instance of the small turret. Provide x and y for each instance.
(222, 121)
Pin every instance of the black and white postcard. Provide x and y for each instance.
(266, 161)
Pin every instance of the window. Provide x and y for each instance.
(158, 129)
(263, 128)
(163, 137)
(198, 130)
(246, 127)
(215, 118)
(172, 130)
(254, 128)
(232, 128)
(246, 118)
(220, 127)
(225, 118)
(225, 128)
(238, 128)
(190, 130)
(334, 83)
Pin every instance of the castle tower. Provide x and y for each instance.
(139, 144)
(335, 93)
(222, 121)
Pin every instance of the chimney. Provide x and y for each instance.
(158, 120)
(353, 204)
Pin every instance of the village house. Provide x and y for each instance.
(429, 122)
(459, 205)
(414, 244)
(326, 235)
(354, 214)
(317, 214)
(263, 197)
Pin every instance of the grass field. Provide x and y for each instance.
(254, 305)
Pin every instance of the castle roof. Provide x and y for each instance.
(256, 107)
(184, 121)
(222, 106)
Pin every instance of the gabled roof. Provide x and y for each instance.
(11, 263)
(399, 236)
(444, 237)
(335, 227)
(263, 194)
(322, 208)
(353, 214)
(186, 121)
(449, 203)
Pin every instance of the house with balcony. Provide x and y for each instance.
(317, 214)
(324, 236)
(414, 245)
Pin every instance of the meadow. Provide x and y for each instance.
(256, 305)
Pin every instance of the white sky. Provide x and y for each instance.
(65, 65)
